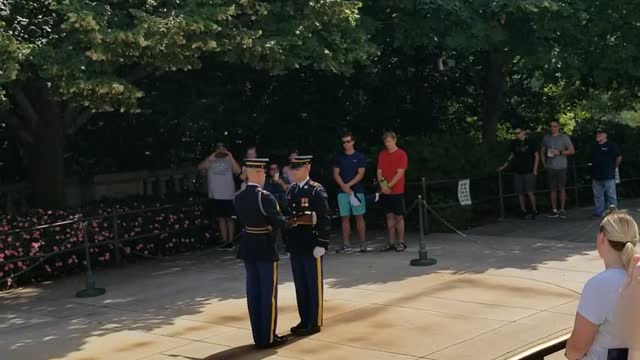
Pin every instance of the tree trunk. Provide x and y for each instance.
(46, 162)
(493, 96)
(40, 121)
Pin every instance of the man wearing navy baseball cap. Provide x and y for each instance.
(605, 160)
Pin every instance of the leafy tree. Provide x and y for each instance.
(61, 61)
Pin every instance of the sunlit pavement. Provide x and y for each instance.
(494, 293)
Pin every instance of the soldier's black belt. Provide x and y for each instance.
(258, 230)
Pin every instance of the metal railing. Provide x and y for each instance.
(116, 240)
(543, 350)
(489, 200)
(493, 196)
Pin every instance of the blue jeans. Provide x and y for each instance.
(602, 189)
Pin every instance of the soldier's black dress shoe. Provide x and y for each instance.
(305, 331)
(296, 328)
(277, 341)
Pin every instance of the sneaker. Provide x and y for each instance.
(344, 249)
(562, 214)
(596, 216)
(388, 247)
(365, 248)
(228, 246)
(554, 214)
(524, 214)
(534, 214)
(401, 247)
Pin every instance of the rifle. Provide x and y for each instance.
(304, 218)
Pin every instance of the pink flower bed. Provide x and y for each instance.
(151, 232)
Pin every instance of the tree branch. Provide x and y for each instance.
(24, 106)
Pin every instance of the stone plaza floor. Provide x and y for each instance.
(502, 289)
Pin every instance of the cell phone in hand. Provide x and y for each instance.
(220, 154)
(617, 354)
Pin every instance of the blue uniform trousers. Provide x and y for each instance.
(307, 277)
(262, 299)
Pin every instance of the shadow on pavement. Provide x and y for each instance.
(47, 322)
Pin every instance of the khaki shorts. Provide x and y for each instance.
(557, 179)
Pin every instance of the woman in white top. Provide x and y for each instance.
(629, 310)
(594, 331)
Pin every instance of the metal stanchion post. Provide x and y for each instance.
(423, 256)
(424, 198)
(575, 182)
(90, 289)
(501, 196)
(116, 237)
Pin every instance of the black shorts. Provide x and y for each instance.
(220, 208)
(524, 183)
(393, 204)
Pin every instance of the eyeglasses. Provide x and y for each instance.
(517, 132)
(273, 169)
(347, 141)
(555, 126)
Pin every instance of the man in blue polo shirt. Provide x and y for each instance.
(348, 171)
(605, 160)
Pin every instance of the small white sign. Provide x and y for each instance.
(464, 192)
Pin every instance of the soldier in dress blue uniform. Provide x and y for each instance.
(307, 242)
(258, 212)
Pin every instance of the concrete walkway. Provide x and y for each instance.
(489, 297)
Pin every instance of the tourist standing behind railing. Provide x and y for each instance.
(276, 187)
(392, 165)
(252, 153)
(286, 170)
(556, 146)
(605, 160)
(348, 171)
(221, 166)
(524, 162)
(274, 183)
(595, 331)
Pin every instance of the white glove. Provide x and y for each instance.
(318, 251)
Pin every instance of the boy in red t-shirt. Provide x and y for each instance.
(392, 164)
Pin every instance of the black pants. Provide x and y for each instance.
(262, 300)
(307, 276)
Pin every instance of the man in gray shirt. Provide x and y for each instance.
(221, 167)
(556, 146)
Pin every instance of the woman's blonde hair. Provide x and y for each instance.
(622, 233)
